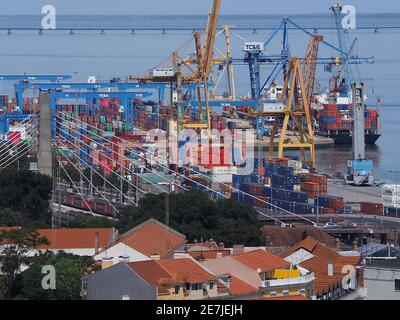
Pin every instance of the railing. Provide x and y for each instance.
(289, 281)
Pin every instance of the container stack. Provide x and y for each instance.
(329, 204)
(314, 185)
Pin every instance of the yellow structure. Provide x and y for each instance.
(286, 273)
(295, 117)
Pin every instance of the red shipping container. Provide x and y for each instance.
(330, 107)
(336, 203)
(14, 137)
(310, 186)
(371, 208)
(324, 210)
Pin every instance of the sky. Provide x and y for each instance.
(141, 7)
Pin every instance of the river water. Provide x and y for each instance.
(119, 53)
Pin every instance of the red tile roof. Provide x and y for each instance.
(323, 256)
(239, 287)
(76, 238)
(186, 270)
(154, 238)
(207, 255)
(150, 271)
(208, 245)
(171, 272)
(261, 259)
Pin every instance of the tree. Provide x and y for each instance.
(27, 194)
(197, 216)
(16, 243)
(69, 270)
(96, 222)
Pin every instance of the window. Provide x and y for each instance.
(177, 288)
(85, 284)
(302, 291)
(272, 294)
(187, 286)
(211, 285)
(285, 293)
(396, 284)
(197, 286)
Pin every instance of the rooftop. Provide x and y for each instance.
(154, 238)
(384, 263)
(239, 287)
(321, 256)
(171, 271)
(76, 238)
(261, 259)
(288, 237)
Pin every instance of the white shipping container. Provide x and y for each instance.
(223, 170)
(297, 165)
(224, 178)
(273, 107)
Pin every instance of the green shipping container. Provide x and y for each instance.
(126, 126)
(102, 119)
(108, 127)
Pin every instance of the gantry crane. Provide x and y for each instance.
(293, 112)
(201, 77)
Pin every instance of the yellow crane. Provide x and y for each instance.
(294, 115)
(204, 63)
(310, 65)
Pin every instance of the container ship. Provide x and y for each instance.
(333, 116)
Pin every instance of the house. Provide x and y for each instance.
(335, 272)
(278, 240)
(206, 250)
(81, 242)
(259, 273)
(151, 239)
(382, 274)
(180, 279)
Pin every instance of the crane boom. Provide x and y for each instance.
(210, 39)
(310, 65)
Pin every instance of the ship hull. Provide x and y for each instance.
(346, 138)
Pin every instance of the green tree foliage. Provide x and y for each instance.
(24, 198)
(16, 243)
(197, 216)
(96, 222)
(69, 270)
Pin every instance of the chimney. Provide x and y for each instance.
(155, 257)
(96, 242)
(330, 269)
(337, 243)
(237, 249)
(354, 245)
